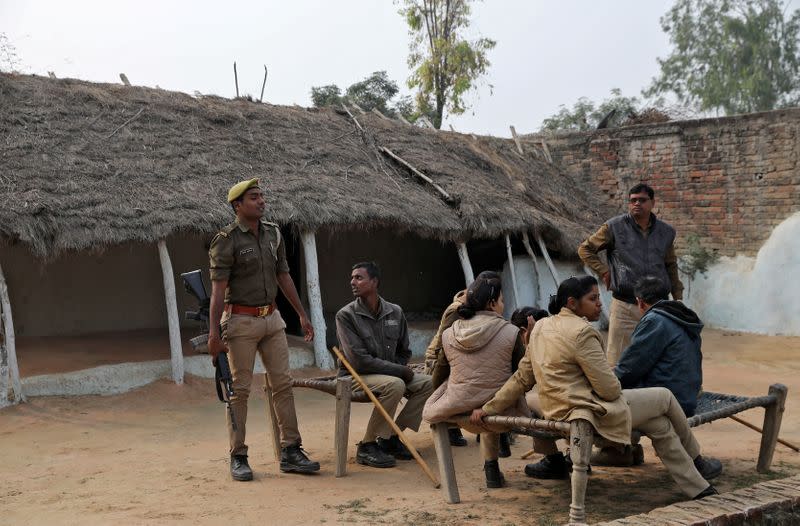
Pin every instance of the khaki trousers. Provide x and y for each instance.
(391, 390)
(490, 440)
(656, 413)
(543, 446)
(623, 318)
(244, 335)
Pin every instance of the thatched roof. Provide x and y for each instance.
(71, 178)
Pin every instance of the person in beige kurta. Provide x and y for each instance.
(565, 355)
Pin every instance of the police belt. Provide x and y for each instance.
(260, 312)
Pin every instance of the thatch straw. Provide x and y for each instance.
(78, 171)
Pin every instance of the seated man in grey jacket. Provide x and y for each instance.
(665, 346)
(373, 335)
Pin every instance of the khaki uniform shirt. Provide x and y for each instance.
(565, 357)
(249, 261)
(603, 238)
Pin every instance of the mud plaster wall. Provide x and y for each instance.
(420, 275)
(118, 289)
(121, 288)
(730, 180)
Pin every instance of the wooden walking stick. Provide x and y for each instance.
(388, 418)
(758, 429)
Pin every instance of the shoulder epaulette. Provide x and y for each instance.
(227, 229)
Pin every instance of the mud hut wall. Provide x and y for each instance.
(420, 275)
(729, 180)
(118, 289)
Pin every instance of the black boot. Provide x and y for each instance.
(370, 454)
(240, 469)
(550, 467)
(710, 490)
(456, 438)
(294, 460)
(504, 450)
(708, 467)
(494, 478)
(393, 446)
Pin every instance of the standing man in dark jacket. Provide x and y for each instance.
(637, 244)
(373, 334)
(665, 346)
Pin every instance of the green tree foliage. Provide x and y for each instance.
(445, 65)
(376, 91)
(329, 95)
(731, 55)
(586, 115)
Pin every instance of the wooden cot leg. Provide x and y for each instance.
(581, 436)
(444, 454)
(773, 415)
(273, 418)
(344, 394)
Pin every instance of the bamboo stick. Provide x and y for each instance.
(388, 418)
(758, 429)
(416, 172)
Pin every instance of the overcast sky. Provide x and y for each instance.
(547, 53)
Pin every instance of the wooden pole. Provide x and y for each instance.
(4, 399)
(175, 347)
(759, 430)
(466, 266)
(416, 172)
(386, 416)
(447, 470)
(10, 343)
(580, 449)
(547, 259)
(263, 84)
(536, 274)
(516, 140)
(352, 116)
(377, 112)
(513, 272)
(344, 395)
(546, 151)
(321, 355)
(236, 79)
(772, 426)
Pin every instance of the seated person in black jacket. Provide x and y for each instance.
(665, 346)
(373, 334)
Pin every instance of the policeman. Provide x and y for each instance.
(248, 266)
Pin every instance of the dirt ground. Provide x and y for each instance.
(158, 455)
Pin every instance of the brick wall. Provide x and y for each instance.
(729, 180)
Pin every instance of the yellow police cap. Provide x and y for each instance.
(239, 189)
